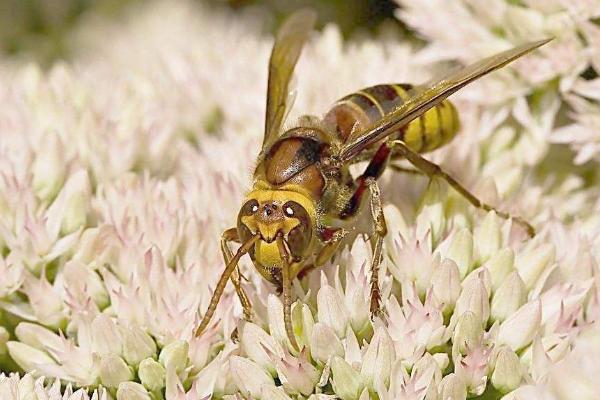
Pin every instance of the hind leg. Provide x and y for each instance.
(434, 170)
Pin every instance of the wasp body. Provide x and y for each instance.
(304, 202)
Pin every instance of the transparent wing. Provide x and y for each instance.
(287, 48)
(428, 96)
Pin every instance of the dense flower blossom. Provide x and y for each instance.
(120, 170)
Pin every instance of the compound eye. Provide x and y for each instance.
(289, 211)
(300, 237)
(295, 210)
(250, 207)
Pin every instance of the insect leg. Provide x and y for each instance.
(432, 170)
(374, 170)
(287, 292)
(368, 180)
(231, 266)
(399, 168)
(380, 232)
(231, 235)
(331, 247)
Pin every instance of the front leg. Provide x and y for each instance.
(286, 279)
(229, 268)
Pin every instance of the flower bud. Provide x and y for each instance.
(248, 376)
(347, 383)
(461, 251)
(378, 359)
(453, 387)
(500, 266)
(488, 237)
(324, 343)
(297, 374)
(174, 355)
(114, 370)
(255, 343)
(72, 204)
(302, 323)
(474, 298)
(509, 297)
(132, 391)
(27, 357)
(137, 345)
(442, 360)
(276, 322)
(332, 310)
(106, 338)
(269, 392)
(533, 261)
(431, 209)
(468, 332)
(507, 372)
(446, 285)
(49, 168)
(520, 328)
(152, 374)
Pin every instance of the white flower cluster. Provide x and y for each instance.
(120, 170)
(566, 108)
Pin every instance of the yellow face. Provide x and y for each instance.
(273, 213)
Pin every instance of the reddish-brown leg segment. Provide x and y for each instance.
(368, 181)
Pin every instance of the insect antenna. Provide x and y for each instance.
(244, 248)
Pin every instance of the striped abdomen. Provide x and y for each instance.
(353, 113)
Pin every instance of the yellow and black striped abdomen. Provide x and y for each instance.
(352, 114)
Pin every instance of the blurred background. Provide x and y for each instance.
(40, 30)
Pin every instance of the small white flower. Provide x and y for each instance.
(114, 370)
(500, 266)
(532, 261)
(325, 344)
(509, 297)
(346, 381)
(152, 374)
(378, 359)
(260, 347)
(132, 391)
(507, 371)
(49, 167)
(332, 310)
(106, 338)
(175, 356)
(445, 285)
(297, 374)
(461, 251)
(137, 345)
(518, 330)
(248, 376)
